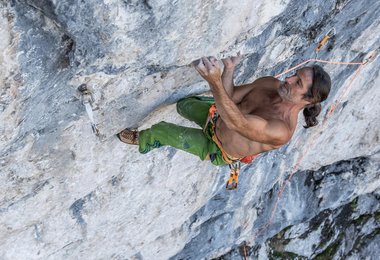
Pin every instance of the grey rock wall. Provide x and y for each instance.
(67, 193)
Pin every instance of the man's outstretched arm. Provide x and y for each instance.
(252, 127)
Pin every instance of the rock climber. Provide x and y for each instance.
(238, 122)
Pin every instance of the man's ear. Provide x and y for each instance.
(309, 105)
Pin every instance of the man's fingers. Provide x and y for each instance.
(196, 62)
(200, 67)
(207, 66)
(207, 63)
(210, 63)
(227, 61)
(215, 62)
(200, 71)
(201, 64)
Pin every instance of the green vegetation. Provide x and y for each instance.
(286, 255)
(362, 219)
(377, 215)
(330, 251)
(354, 204)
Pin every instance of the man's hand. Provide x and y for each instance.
(231, 62)
(209, 69)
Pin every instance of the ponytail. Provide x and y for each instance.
(311, 112)
(317, 93)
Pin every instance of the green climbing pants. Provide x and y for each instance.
(191, 140)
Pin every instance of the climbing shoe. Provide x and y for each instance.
(129, 136)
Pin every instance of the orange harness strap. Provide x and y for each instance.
(233, 162)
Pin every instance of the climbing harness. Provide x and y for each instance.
(87, 99)
(234, 163)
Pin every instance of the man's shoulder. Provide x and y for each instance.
(268, 78)
(267, 81)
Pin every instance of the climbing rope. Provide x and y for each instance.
(322, 61)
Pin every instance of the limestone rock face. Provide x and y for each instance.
(70, 189)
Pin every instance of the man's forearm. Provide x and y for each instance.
(227, 80)
(209, 69)
(227, 109)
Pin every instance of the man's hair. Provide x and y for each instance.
(317, 93)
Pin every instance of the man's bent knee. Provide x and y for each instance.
(181, 104)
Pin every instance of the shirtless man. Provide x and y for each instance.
(250, 119)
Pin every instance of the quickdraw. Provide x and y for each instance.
(212, 116)
(234, 176)
(87, 99)
(329, 34)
